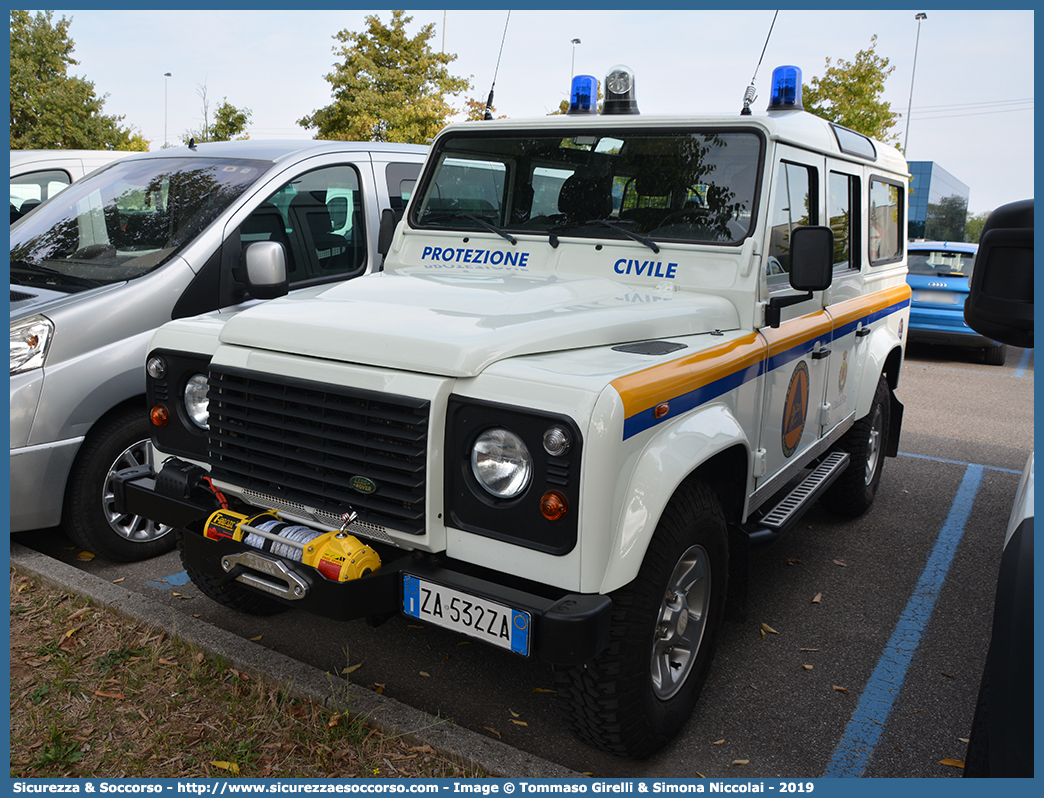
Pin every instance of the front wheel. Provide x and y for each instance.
(639, 692)
(853, 492)
(90, 516)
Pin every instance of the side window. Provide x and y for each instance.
(794, 206)
(29, 190)
(318, 218)
(885, 235)
(402, 179)
(843, 218)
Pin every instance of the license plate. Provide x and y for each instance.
(470, 615)
(938, 297)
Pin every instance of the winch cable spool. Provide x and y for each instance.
(489, 100)
(751, 94)
(334, 554)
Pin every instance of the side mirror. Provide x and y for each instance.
(811, 268)
(1000, 302)
(389, 220)
(811, 258)
(265, 266)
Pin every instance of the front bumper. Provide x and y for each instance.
(567, 628)
(38, 478)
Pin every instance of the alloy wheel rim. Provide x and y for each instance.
(681, 622)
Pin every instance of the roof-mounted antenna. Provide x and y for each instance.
(751, 94)
(489, 101)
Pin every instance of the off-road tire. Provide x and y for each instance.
(853, 492)
(231, 594)
(614, 701)
(89, 516)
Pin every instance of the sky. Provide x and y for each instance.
(972, 85)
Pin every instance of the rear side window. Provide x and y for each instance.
(843, 218)
(886, 234)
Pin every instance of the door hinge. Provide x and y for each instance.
(758, 466)
(824, 415)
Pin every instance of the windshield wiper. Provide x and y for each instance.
(38, 273)
(446, 217)
(553, 237)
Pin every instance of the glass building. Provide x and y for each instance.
(938, 203)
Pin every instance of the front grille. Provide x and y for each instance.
(304, 442)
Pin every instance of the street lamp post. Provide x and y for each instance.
(165, 81)
(572, 65)
(913, 71)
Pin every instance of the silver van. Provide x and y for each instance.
(150, 238)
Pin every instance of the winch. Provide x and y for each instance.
(335, 554)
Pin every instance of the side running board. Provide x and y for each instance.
(777, 520)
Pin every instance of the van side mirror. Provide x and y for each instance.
(389, 220)
(811, 268)
(265, 265)
(1000, 302)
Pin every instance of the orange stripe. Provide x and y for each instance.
(649, 387)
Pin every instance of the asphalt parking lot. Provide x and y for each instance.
(864, 641)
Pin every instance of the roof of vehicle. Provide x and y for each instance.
(936, 246)
(796, 127)
(277, 150)
(91, 157)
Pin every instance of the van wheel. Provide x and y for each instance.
(639, 692)
(230, 594)
(90, 517)
(995, 355)
(853, 492)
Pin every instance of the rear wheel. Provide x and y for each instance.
(638, 693)
(853, 492)
(995, 355)
(90, 516)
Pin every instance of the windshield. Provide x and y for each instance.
(664, 185)
(940, 263)
(126, 221)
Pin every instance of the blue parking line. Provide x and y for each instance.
(867, 725)
(172, 581)
(1020, 370)
(961, 462)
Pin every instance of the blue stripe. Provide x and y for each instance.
(867, 725)
(646, 419)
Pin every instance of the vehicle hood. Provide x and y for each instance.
(457, 324)
(29, 299)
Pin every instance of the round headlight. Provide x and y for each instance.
(501, 463)
(196, 404)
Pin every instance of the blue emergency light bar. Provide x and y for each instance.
(583, 95)
(786, 89)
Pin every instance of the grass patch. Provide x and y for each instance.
(96, 695)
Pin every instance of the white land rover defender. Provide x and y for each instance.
(606, 356)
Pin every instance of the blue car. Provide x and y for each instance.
(939, 275)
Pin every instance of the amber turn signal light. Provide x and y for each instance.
(159, 416)
(553, 505)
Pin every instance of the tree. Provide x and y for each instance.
(973, 226)
(946, 219)
(51, 109)
(389, 87)
(229, 121)
(475, 110)
(849, 94)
